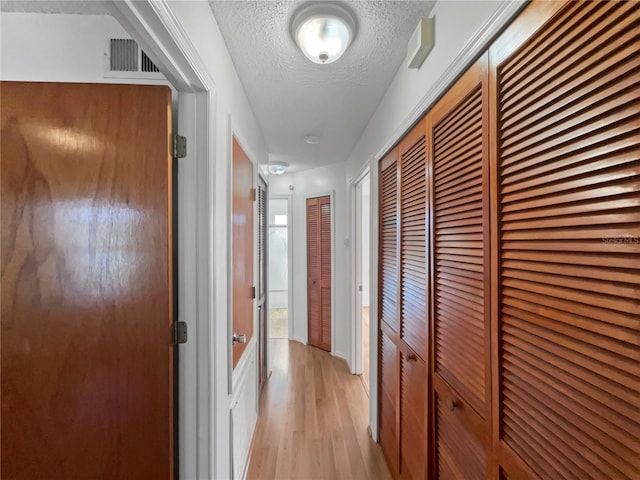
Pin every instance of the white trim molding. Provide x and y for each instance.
(469, 53)
(203, 443)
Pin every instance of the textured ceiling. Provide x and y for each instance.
(293, 97)
(54, 6)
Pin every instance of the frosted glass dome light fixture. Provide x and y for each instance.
(278, 168)
(323, 31)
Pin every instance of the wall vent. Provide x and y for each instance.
(123, 55)
(147, 64)
(126, 56)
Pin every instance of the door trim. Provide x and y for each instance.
(331, 195)
(290, 285)
(356, 365)
(203, 448)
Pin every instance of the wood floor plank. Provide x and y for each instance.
(313, 420)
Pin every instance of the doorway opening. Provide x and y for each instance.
(363, 268)
(278, 259)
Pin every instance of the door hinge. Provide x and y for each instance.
(253, 195)
(253, 292)
(179, 333)
(179, 146)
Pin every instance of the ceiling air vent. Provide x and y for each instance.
(125, 57)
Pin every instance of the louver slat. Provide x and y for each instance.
(459, 175)
(568, 178)
(325, 278)
(313, 269)
(413, 213)
(389, 241)
(319, 271)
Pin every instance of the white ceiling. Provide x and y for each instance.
(293, 97)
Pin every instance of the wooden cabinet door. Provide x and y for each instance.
(566, 86)
(460, 236)
(388, 359)
(403, 306)
(319, 271)
(242, 247)
(413, 416)
(413, 246)
(87, 355)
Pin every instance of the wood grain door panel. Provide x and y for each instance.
(413, 416)
(461, 266)
(87, 357)
(388, 393)
(389, 217)
(243, 245)
(567, 315)
(319, 272)
(413, 244)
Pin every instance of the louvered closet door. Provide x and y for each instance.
(388, 360)
(568, 276)
(413, 265)
(319, 272)
(413, 303)
(459, 139)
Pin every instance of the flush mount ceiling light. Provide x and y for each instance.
(312, 139)
(323, 31)
(278, 168)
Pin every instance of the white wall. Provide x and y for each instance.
(71, 48)
(306, 184)
(231, 114)
(456, 23)
(59, 48)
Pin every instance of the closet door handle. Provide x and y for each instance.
(453, 404)
(412, 357)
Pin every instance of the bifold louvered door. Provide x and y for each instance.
(388, 365)
(319, 272)
(413, 342)
(403, 306)
(567, 276)
(460, 237)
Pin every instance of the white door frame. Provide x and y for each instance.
(289, 260)
(356, 265)
(203, 404)
(370, 169)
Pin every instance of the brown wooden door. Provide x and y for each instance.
(461, 256)
(87, 357)
(319, 271)
(566, 84)
(243, 242)
(388, 355)
(414, 317)
(404, 323)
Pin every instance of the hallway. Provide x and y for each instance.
(313, 420)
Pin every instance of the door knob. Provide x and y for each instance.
(239, 338)
(453, 404)
(411, 357)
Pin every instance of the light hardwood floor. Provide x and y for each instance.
(313, 420)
